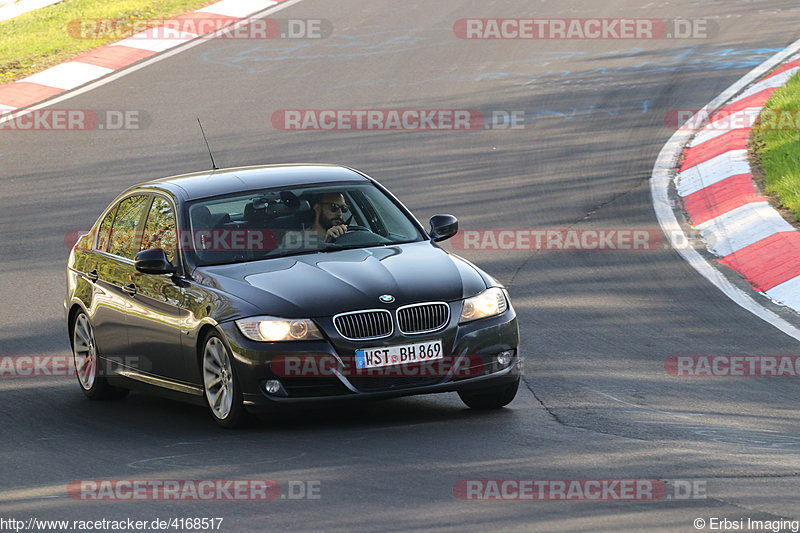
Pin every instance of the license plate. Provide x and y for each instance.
(399, 355)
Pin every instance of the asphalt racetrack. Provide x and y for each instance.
(597, 326)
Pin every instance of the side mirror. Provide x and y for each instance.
(154, 261)
(443, 227)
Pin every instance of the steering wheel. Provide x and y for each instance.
(356, 228)
(352, 228)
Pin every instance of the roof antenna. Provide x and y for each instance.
(213, 164)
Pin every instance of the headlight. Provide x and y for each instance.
(490, 302)
(271, 329)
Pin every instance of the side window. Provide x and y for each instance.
(159, 230)
(104, 232)
(125, 237)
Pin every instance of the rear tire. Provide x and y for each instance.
(85, 357)
(221, 385)
(490, 397)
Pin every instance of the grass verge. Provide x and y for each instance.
(40, 39)
(776, 146)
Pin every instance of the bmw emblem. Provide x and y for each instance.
(386, 298)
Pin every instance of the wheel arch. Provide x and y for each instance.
(202, 334)
(73, 312)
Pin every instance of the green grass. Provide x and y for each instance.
(777, 145)
(40, 39)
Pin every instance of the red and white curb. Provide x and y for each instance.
(737, 223)
(715, 181)
(103, 61)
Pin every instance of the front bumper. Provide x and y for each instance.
(470, 351)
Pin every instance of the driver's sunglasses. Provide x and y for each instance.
(338, 207)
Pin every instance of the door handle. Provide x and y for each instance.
(92, 276)
(130, 289)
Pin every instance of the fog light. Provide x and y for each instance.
(504, 358)
(273, 386)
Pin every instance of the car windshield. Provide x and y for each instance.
(279, 222)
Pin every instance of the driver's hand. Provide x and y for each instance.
(336, 231)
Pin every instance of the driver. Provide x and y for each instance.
(329, 210)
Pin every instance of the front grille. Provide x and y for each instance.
(423, 318)
(364, 325)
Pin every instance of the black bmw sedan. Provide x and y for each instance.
(262, 288)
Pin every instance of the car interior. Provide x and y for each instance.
(273, 214)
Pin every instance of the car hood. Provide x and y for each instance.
(324, 284)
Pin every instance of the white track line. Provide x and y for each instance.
(663, 170)
(774, 82)
(144, 64)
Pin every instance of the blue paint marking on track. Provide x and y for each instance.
(263, 58)
(584, 112)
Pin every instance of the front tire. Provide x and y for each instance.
(220, 384)
(490, 397)
(87, 364)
